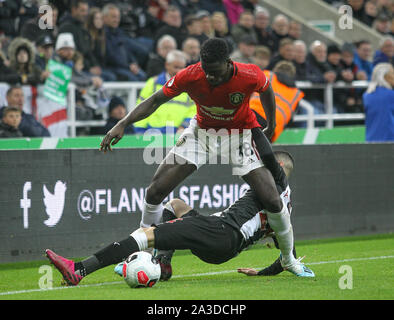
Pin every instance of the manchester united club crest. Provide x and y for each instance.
(236, 98)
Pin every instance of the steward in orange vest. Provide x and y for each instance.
(287, 97)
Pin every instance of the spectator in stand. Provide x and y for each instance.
(287, 97)
(157, 8)
(29, 126)
(21, 53)
(392, 28)
(173, 26)
(245, 27)
(116, 111)
(175, 114)
(385, 6)
(385, 53)
(362, 58)
(286, 53)
(262, 57)
(379, 104)
(32, 31)
(9, 12)
(75, 24)
(156, 62)
(81, 78)
(6, 74)
(221, 30)
(65, 49)
(348, 63)
(62, 5)
(143, 24)
(191, 49)
(10, 122)
(28, 10)
(358, 8)
(65, 54)
(206, 24)
(347, 59)
(212, 6)
(351, 99)
(344, 99)
(250, 5)
(371, 12)
(121, 58)
(194, 28)
(95, 27)
(45, 48)
(382, 24)
(280, 30)
(295, 30)
(300, 53)
(262, 28)
(246, 50)
(334, 55)
(187, 7)
(234, 9)
(318, 71)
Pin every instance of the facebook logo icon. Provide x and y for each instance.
(26, 203)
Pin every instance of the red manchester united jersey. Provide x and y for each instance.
(224, 106)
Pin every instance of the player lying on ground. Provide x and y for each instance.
(221, 89)
(214, 239)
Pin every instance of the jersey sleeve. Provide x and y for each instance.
(262, 82)
(176, 85)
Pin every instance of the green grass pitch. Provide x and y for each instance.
(369, 275)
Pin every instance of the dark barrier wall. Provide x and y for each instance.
(76, 201)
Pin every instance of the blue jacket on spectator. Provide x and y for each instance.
(380, 57)
(379, 114)
(363, 65)
(117, 53)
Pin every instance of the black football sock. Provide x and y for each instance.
(114, 253)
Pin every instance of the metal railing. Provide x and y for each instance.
(131, 89)
(328, 116)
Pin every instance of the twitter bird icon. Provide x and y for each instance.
(54, 203)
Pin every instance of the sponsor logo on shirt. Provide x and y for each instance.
(218, 110)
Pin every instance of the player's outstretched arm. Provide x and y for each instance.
(142, 111)
(272, 270)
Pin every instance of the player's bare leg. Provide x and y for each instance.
(262, 182)
(167, 177)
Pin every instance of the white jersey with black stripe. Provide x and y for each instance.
(248, 216)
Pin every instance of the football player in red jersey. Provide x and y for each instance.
(221, 90)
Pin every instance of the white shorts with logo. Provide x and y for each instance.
(199, 146)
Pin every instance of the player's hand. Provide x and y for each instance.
(248, 271)
(112, 137)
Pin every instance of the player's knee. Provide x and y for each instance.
(180, 207)
(274, 205)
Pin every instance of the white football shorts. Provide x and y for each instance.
(199, 146)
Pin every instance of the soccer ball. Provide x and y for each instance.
(141, 269)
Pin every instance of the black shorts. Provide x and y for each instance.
(206, 236)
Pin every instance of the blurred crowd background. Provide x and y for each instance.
(131, 40)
